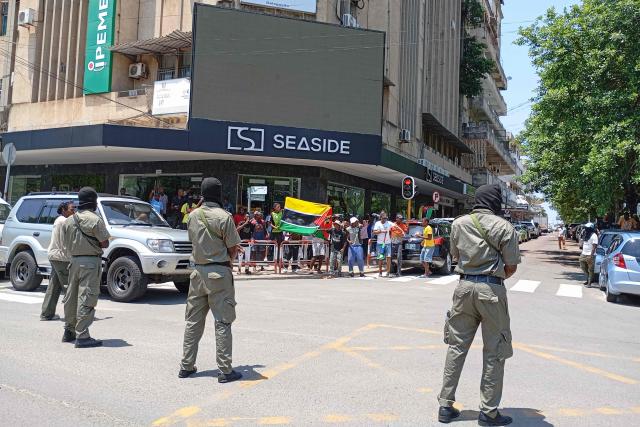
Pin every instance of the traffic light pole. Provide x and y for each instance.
(409, 209)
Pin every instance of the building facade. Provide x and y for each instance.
(96, 92)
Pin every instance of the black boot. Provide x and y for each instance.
(498, 420)
(447, 413)
(88, 342)
(185, 373)
(230, 377)
(52, 317)
(68, 336)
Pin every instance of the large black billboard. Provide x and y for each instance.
(285, 87)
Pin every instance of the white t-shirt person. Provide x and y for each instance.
(587, 246)
(385, 236)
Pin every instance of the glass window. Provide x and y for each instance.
(632, 248)
(131, 213)
(4, 212)
(278, 188)
(23, 185)
(76, 182)
(380, 202)
(29, 210)
(49, 213)
(345, 200)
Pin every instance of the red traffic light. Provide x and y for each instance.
(407, 181)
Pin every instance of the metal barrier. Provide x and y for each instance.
(303, 255)
(258, 254)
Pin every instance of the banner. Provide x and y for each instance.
(305, 218)
(100, 30)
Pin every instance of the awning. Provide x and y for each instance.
(171, 43)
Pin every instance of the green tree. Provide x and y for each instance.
(473, 64)
(583, 136)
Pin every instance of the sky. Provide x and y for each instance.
(517, 64)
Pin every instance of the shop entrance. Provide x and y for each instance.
(141, 185)
(278, 188)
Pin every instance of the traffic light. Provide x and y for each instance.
(408, 187)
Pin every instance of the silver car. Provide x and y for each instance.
(620, 269)
(605, 239)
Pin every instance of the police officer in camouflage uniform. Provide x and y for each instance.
(215, 243)
(486, 247)
(85, 236)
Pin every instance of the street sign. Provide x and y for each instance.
(9, 154)
(436, 197)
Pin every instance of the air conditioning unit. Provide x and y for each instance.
(405, 135)
(137, 70)
(348, 20)
(26, 17)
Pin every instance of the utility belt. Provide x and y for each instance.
(482, 278)
(223, 264)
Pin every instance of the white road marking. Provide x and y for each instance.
(20, 298)
(572, 291)
(365, 278)
(525, 286)
(25, 293)
(444, 280)
(403, 279)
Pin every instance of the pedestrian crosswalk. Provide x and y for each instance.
(530, 286)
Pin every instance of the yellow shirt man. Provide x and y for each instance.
(427, 243)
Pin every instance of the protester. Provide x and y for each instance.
(245, 231)
(398, 230)
(191, 204)
(176, 204)
(428, 247)
(356, 254)
(588, 255)
(155, 202)
(227, 206)
(259, 232)
(364, 235)
(276, 234)
(626, 222)
(291, 252)
(318, 252)
(383, 243)
(338, 245)
(239, 216)
(561, 233)
(164, 199)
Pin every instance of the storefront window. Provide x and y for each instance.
(380, 202)
(141, 185)
(278, 188)
(75, 182)
(22, 185)
(345, 200)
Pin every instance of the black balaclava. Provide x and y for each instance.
(211, 189)
(489, 197)
(87, 199)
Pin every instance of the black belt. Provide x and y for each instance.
(223, 264)
(482, 278)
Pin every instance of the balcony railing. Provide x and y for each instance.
(497, 138)
(170, 73)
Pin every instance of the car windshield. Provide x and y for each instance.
(125, 212)
(4, 212)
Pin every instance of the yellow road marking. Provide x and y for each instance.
(585, 353)
(269, 421)
(216, 422)
(382, 417)
(336, 418)
(425, 390)
(405, 328)
(177, 416)
(570, 412)
(609, 411)
(577, 365)
(636, 409)
(403, 348)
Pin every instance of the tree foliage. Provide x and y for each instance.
(583, 136)
(473, 65)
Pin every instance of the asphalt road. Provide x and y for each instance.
(320, 352)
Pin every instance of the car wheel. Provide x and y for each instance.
(446, 268)
(182, 286)
(125, 280)
(24, 272)
(601, 284)
(609, 296)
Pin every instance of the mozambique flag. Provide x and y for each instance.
(305, 218)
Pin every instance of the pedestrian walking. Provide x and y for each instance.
(59, 260)
(383, 243)
(354, 240)
(215, 243)
(588, 255)
(398, 230)
(561, 234)
(428, 247)
(338, 245)
(85, 237)
(486, 247)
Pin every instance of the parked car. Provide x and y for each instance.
(143, 249)
(571, 230)
(620, 268)
(412, 246)
(533, 233)
(605, 239)
(523, 233)
(5, 208)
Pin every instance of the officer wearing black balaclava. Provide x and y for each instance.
(486, 247)
(215, 244)
(85, 235)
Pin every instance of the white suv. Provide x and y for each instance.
(143, 248)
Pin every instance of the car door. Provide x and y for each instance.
(603, 243)
(631, 253)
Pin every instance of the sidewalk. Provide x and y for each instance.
(268, 274)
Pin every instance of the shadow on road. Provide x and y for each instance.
(160, 296)
(115, 342)
(248, 373)
(629, 300)
(521, 416)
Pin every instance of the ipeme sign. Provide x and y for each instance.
(100, 30)
(281, 141)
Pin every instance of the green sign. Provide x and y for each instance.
(100, 31)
